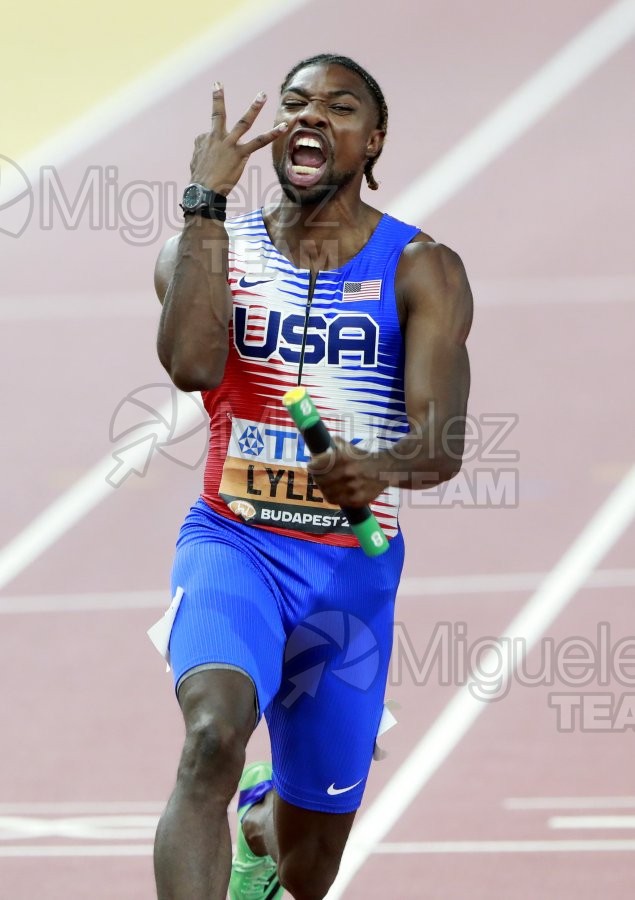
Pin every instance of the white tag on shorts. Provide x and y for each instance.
(386, 722)
(160, 632)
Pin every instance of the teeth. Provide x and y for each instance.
(308, 142)
(304, 170)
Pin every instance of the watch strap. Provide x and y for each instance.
(212, 205)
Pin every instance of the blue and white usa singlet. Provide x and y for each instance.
(353, 367)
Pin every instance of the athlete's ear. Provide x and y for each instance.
(375, 143)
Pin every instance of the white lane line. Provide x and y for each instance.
(574, 62)
(52, 307)
(434, 847)
(602, 35)
(93, 487)
(422, 847)
(505, 582)
(89, 828)
(440, 585)
(87, 808)
(549, 803)
(197, 56)
(97, 602)
(76, 850)
(58, 517)
(559, 586)
(602, 290)
(592, 822)
(539, 94)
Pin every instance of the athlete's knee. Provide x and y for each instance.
(308, 871)
(218, 708)
(213, 756)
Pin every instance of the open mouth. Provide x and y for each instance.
(306, 161)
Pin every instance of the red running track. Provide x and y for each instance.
(90, 727)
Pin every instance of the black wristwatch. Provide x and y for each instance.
(200, 201)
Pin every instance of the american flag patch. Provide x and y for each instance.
(362, 290)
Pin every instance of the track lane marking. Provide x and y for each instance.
(567, 69)
(536, 97)
(83, 807)
(591, 822)
(552, 803)
(525, 846)
(440, 585)
(461, 179)
(196, 56)
(69, 72)
(76, 850)
(456, 719)
(604, 36)
(45, 851)
(489, 292)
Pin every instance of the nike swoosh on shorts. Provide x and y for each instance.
(333, 791)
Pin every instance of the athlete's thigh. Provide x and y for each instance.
(324, 720)
(228, 617)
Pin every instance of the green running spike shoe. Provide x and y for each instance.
(253, 877)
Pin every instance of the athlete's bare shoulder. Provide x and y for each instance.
(164, 268)
(431, 279)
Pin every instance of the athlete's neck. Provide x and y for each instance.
(320, 236)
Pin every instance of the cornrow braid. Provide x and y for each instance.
(374, 89)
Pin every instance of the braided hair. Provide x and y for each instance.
(373, 88)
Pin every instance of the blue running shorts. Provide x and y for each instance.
(311, 625)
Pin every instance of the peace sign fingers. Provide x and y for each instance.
(247, 120)
(261, 140)
(218, 110)
(245, 123)
(219, 158)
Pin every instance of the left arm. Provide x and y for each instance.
(434, 294)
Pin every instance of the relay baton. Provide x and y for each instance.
(316, 435)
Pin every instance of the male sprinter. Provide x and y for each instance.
(282, 614)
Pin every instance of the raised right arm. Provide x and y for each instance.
(191, 272)
(190, 279)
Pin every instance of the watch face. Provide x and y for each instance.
(191, 196)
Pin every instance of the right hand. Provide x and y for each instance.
(219, 160)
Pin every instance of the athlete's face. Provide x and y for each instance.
(332, 132)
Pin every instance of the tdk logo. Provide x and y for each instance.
(286, 446)
(344, 338)
(269, 444)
